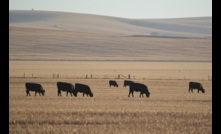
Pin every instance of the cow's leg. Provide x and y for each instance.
(83, 94)
(35, 93)
(132, 94)
(27, 92)
(141, 94)
(59, 92)
(191, 90)
(198, 90)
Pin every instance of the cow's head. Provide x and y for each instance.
(203, 90)
(148, 94)
(43, 92)
(91, 94)
(74, 92)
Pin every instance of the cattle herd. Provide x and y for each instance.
(85, 89)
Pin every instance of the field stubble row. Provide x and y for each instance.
(170, 108)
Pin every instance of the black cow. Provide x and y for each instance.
(85, 89)
(196, 85)
(127, 83)
(138, 87)
(113, 83)
(34, 87)
(64, 86)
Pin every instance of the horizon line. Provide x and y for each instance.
(108, 15)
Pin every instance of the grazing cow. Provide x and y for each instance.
(64, 86)
(127, 83)
(34, 87)
(85, 89)
(196, 85)
(138, 87)
(113, 83)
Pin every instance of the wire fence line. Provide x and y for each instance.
(95, 76)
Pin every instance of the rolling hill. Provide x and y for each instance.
(46, 35)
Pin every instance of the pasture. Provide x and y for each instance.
(169, 109)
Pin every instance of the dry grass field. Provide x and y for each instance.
(164, 54)
(170, 108)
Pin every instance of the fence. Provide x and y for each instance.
(117, 76)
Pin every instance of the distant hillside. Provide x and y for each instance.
(183, 27)
(44, 35)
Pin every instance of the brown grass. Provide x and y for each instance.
(63, 45)
(170, 108)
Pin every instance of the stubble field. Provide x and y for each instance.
(170, 108)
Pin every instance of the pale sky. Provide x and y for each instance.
(121, 8)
